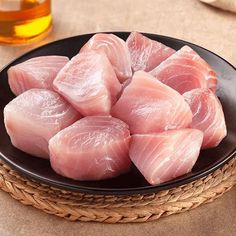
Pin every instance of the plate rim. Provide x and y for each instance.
(116, 191)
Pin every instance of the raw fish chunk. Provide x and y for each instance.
(37, 72)
(93, 148)
(208, 116)
(186, 70)
(147, 106)
(116, 51)
(33, 117)
(145, 53)
(89, 83)
(161, 157)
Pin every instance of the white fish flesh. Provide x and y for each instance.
(161, 157)
(35, 116)
(93, 148)
(37, 72)
(148, 106)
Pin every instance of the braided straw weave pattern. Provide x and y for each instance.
(117, 209)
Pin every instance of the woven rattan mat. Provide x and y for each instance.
(117, 209)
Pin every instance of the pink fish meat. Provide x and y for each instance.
(89, 83)
(93, 148)
(145, 53)
(116, 51)
(148, 106)
(37, 72)
(33, 117)
(208, 116)
(186, 70)
(161, 157)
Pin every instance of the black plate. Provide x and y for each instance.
(132, 182)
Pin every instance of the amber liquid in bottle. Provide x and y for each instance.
(22, 21)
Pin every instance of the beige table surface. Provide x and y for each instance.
(186, 19)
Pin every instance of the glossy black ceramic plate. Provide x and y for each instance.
(132, 182)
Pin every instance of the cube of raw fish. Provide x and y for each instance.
(93, 148)
(186, 70)
(146, 54)
(161, 157)
(116, 51)
(37, 72)
(89, 83)
(208, 116)
(148, 106)
(35, 116)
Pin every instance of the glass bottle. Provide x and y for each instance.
(22, 21)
